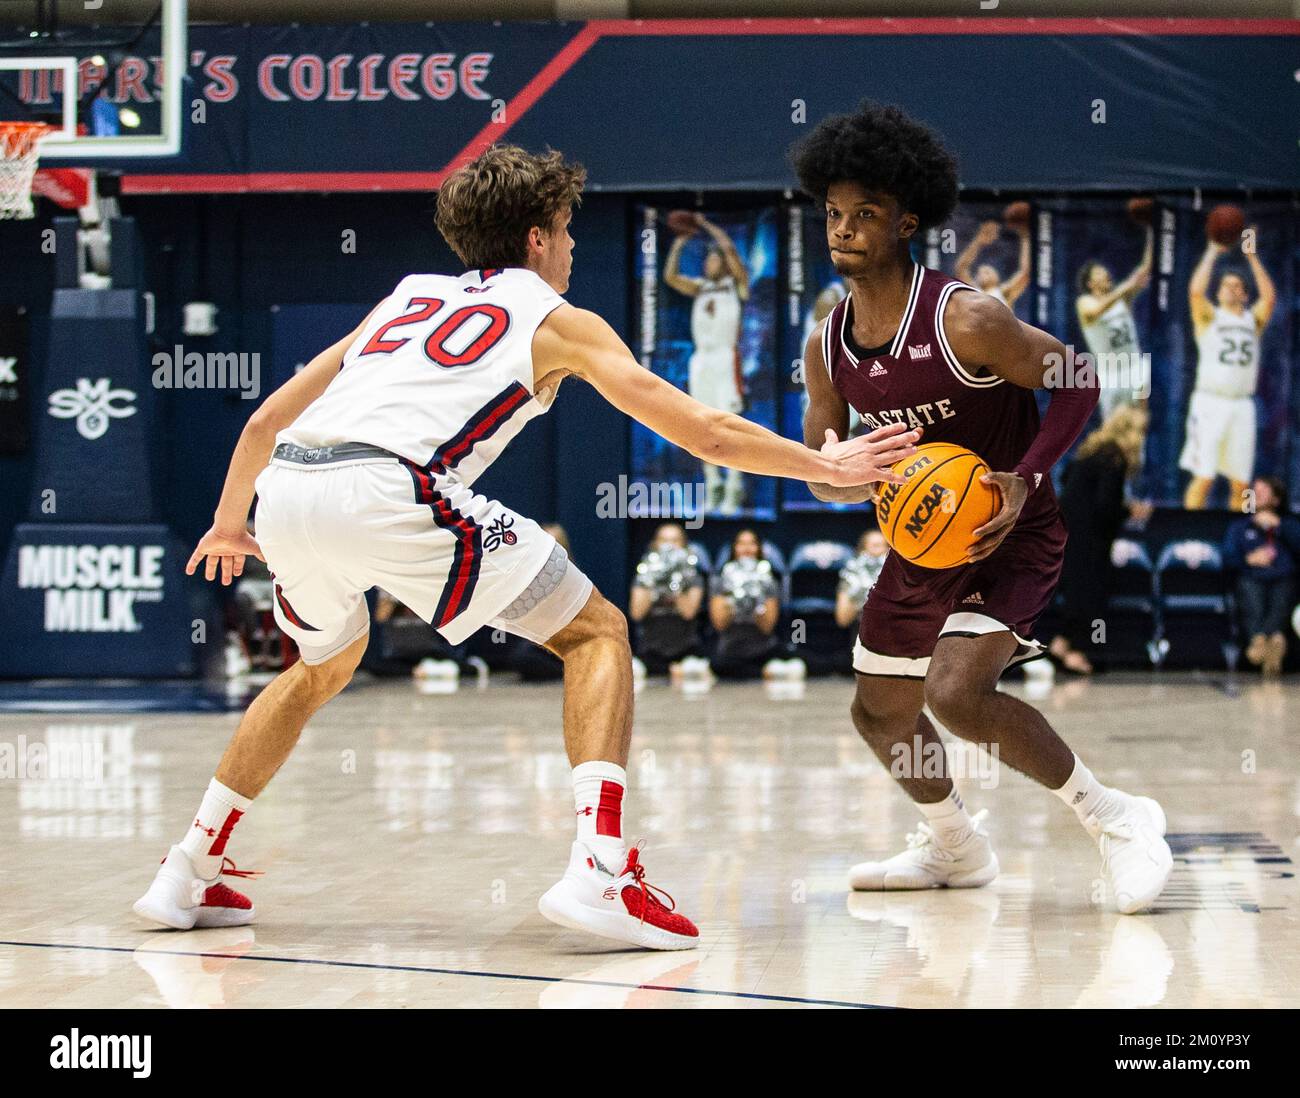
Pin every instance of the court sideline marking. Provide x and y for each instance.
(794, 999)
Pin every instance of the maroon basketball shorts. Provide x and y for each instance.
(910, 608)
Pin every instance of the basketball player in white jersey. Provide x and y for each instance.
(1221, 415)
(827, 298)
(985, 277)
(1105, 315)
(364, 466)
(714, 376)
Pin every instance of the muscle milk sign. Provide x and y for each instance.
(92, 588)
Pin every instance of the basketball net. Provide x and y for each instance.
(19, 153)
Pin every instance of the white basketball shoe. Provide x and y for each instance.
(1135, 859)
(621, 906)
(181, 899)
(926, 863)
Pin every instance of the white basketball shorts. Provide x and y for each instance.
(456, 558)
(712, 379)
(1220, 437)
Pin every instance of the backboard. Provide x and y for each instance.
(125, 74)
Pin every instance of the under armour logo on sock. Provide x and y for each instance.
(209, 831)
(1079, 796)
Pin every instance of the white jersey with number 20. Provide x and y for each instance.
(442, 375)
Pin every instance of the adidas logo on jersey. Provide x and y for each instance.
(973, 600)
(922, 351)
(877, 370)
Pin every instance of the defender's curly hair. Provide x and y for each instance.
(884, 150)
(487, 207)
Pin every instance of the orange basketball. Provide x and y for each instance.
(930, 518)
(1141, 209)
(1017, 213)
(1224, 224)
(683, 222)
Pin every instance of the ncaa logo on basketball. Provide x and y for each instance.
(936, 499)
(885, 503)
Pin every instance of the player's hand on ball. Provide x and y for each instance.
(869, 459)
(228, 548)
(1014, 492)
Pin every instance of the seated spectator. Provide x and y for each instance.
(858, 577)
(400, 639)
(254, 596)
(1095, 509)
(744, 608)
(665, 601)
(1262, 551)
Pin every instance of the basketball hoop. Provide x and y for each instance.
(19, 153)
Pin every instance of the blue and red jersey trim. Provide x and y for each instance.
(290, 613)
(481, 426)
(468, 555)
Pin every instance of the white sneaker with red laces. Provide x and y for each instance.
(591, 897)
(181, 899)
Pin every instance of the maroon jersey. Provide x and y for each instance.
(917, 381)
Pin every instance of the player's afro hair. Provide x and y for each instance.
(884, 150)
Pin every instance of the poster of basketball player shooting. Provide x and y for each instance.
(1099, 297)
(989, 245)
(706, 285)
(1222, 350)
(1094, 287)
(813, 288)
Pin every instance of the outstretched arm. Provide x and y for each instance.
(985, 235)
(1198, 298)
(827, 417)
(227, 543)
(1140, 277)
(984, 333)
(1263, 308)
(581, 343)
(1016, 285)
(673, 270)
(730, 256)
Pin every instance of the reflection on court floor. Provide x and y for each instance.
(406, 842)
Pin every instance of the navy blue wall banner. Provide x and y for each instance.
(1221, 406)
(1293, 477)
(1095, 285)
(708, 324)
(1026, 104)
(96, 420)
(300, 332)
(99, 601)
(989, 245)
(15, 383)
(813, 289)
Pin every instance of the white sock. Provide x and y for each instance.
(948, 819)
(205, 842)
(1086, 795)
(598, 789)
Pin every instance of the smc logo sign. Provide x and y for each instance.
(91, 405)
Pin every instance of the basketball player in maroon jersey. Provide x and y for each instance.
(911, 345)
